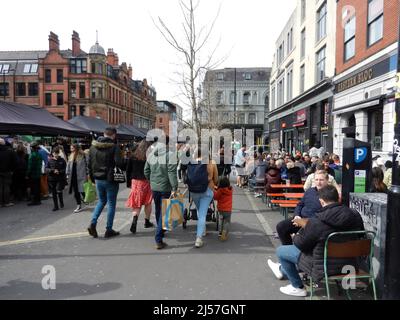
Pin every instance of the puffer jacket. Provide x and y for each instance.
(273, 176)
(104, 155)
(160, 172)
(294, 175)
(311, 239)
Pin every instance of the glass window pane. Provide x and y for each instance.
(34, 68)
(375, 8)
(27, 68)
(350, 29)
(350, 49)
(376, 31)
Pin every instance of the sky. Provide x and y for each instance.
(246, 31)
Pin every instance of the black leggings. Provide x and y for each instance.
(285, 229)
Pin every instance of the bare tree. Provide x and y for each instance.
(192, 48)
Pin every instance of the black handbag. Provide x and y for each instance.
(118, 175)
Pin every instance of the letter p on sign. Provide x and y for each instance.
(360, 154)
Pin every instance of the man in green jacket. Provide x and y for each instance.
(34, 173)
(162, 174)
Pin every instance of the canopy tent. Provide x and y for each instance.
(22, 119)
(132, 130)
(94, 125)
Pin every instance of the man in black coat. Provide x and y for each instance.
(307, 253)
(307, 208)
(8, 160)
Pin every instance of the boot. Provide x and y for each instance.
(61, 199)
(148, 224)
(111, 234)
(134, 224)
(55, 201)
(92, 230)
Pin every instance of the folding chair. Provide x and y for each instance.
(362, 247)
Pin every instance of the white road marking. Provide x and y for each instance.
(267, 228)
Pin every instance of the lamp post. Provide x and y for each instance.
(392, 251)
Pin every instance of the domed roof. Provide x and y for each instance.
(97, 49)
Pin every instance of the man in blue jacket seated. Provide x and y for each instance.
(307, 208)
(307, 253)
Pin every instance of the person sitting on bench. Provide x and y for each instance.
(307, 208)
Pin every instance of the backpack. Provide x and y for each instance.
(197, 178)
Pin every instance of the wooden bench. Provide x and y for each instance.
(270, 196)
(285, 208)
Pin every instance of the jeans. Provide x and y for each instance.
(158, 197)
(107, 193)
(225, 221)
(289, 257)
(202, 201)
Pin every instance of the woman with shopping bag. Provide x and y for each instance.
(141, 194)
(77, 175)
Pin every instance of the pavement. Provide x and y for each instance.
(129, 267)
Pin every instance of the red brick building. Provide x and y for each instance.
(72, 82)
(366, 63)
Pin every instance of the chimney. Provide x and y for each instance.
(54, 44)
(76, 44)
(110, 57)
(116, 60)
(130, 71)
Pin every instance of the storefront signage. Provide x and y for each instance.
(301, 116)
(365, 75)
(398, 86)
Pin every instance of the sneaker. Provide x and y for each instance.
(9, 205)
(78, 209)
(111, 234)
(276, 269)
(55, 209)
(199, 243)
(160, 246)
(92, 231)
(292, 291)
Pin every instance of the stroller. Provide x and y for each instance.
(190, 213)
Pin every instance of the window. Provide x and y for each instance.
(375, 21)
(321, 22)
(303, 44)
(78, 66)
(232, 98)
(241, 118)
(33, 89)
(220, 98)
(321, 65)
(290, 41)
(248, 76)
(302, 78)
(220, 76)
(303, 10)
(4, 91)
(281, 92)
(30, 68)
(60, 76)
(47, 99)
(225, 117)
(350, 39)
(73, 90)
(375, 129)
(82, 90)
(47, 76)
(252, 118)
(273, 92)
(246, 98)
(60, 98)
(21, 89)
(73, 111)
(82, 110)
(4, 68)
(289, 83)
(281, 53)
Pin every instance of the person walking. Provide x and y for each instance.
(223, 195)
(7, 167)
(104, 157)
(141, 194)
(19, 186)
(77, 175)
(201, 180)
(34, 173)
(56, 168)
(44, 179)
(162, 174)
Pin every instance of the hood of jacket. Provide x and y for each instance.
(340, 217)
(225, 191)
(159, 150)
(103, 143)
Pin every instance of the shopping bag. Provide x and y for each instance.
(90, 192)
(172, 212)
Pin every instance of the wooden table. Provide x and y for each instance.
(287, 186)
(294, 195)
